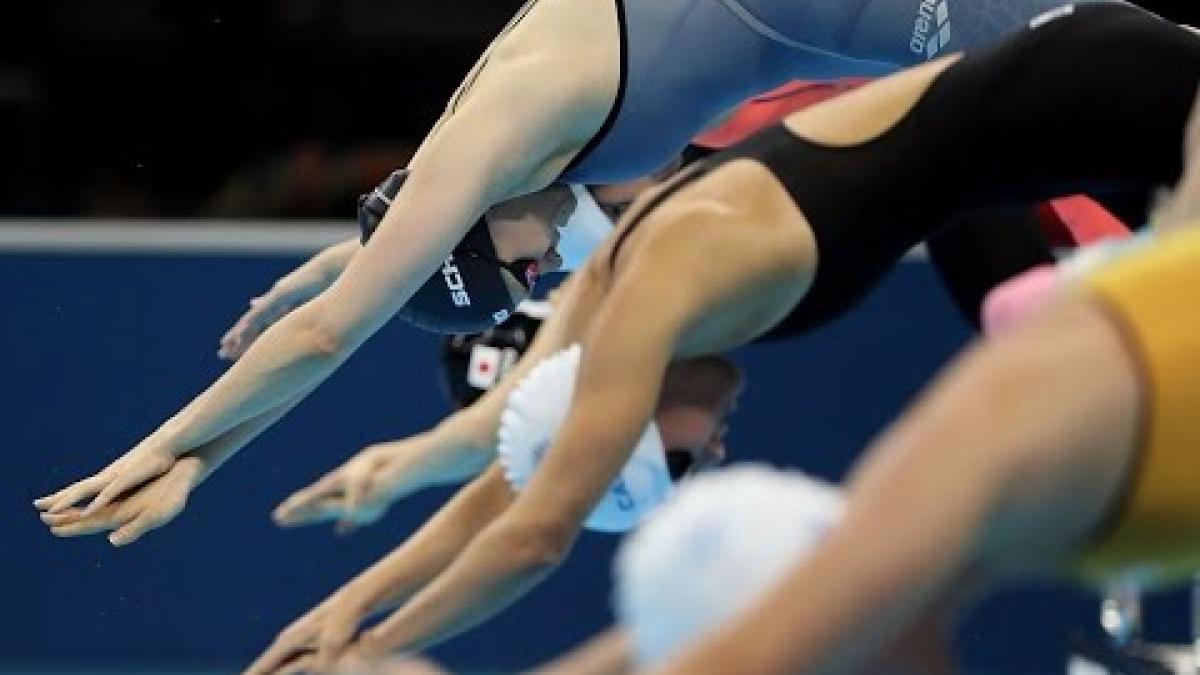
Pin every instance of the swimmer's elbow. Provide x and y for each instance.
(317, 336)
(540, 546)
(324, 343)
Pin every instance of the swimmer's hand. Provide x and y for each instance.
(132, 514)
(146, 487)
(301, 285)
(153, 457)
(355, 494)
(296, 648)
(361, 490)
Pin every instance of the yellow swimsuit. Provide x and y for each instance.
(1154, 293)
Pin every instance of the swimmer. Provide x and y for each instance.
(1065, 448)
(728, 251)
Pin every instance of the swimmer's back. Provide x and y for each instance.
(685, 63)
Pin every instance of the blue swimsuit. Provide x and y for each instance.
(684, 63)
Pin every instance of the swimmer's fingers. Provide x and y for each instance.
(287, 294)
(293, 642)
(355, 511)
(72, 494)
(350, 494)
(159, 502)
(132, 472)
(318, 502)
(308, 513)
(64, 517)
(72, 515)
(277, 657)
(83, 528)
(75, 524)
(303, 663)
(264, 311)
(131, 517)
(149, 519)
(238, 339)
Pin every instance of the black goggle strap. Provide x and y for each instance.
(679, 463)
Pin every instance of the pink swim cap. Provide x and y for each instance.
(1014, 300)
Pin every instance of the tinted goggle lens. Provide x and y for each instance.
(524, 269)
(679, 463)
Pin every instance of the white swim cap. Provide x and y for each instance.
(723, 540)
(535, 411)
(584, 231)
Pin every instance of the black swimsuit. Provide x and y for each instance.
(1093, 101)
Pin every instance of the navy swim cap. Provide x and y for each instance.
(467, 294)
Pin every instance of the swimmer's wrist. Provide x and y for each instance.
(171, 435)
(471, 428)
(372, 592)
(362, 597)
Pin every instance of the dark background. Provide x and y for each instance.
(150, 107)
(268, 108)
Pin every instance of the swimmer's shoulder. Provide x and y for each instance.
(554, 73)
(588, 28)
(574, 44)
(731, 226)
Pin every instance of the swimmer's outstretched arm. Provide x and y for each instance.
(474, 161)
(359, 492)
(615, 395)
(391, 580)
(1008, 460)
(134, 513)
